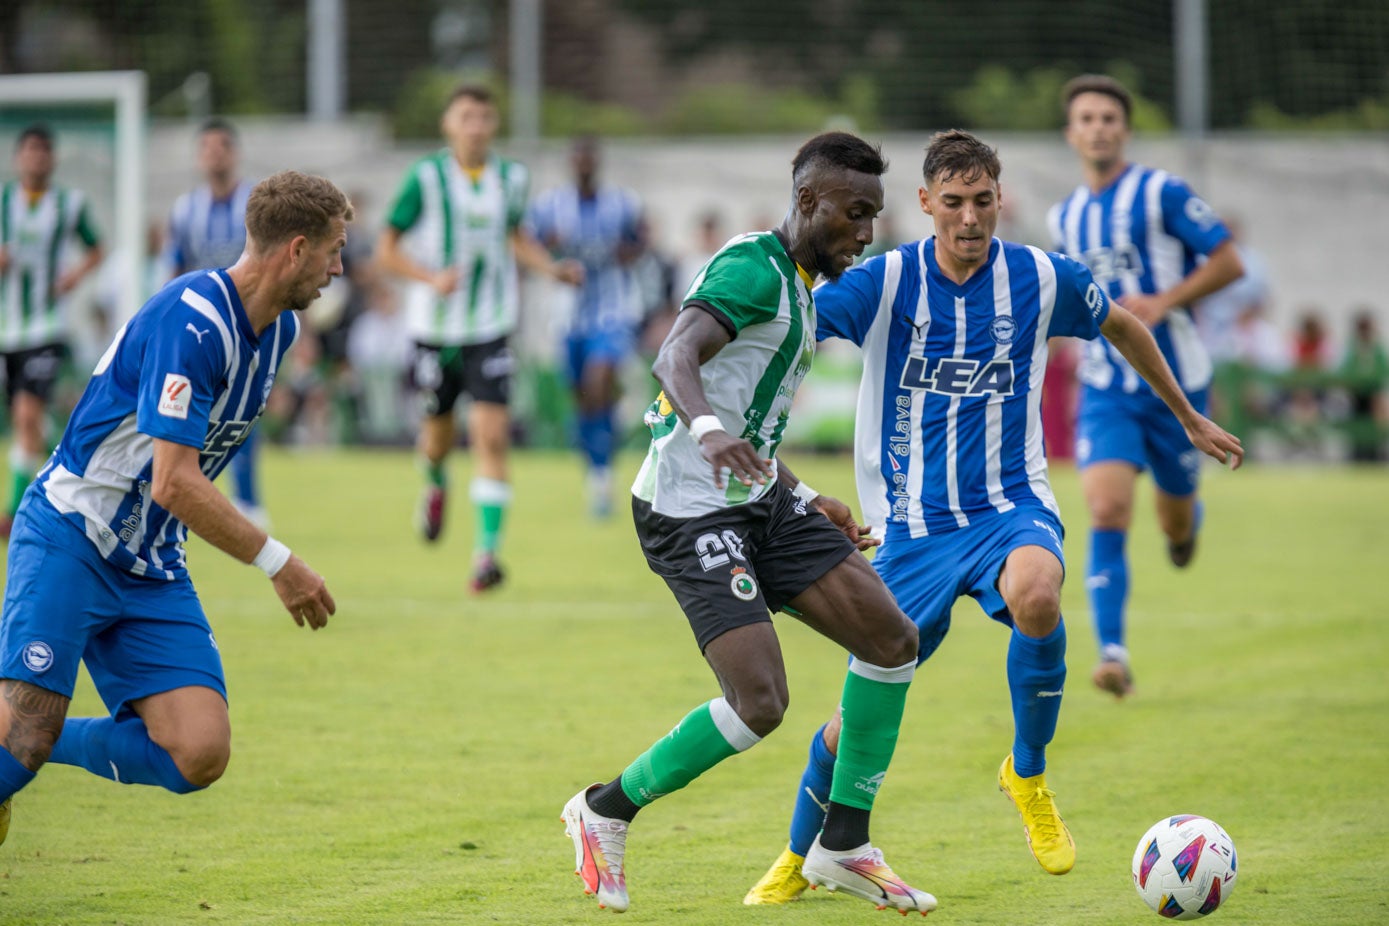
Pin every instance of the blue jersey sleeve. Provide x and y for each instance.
(1186, 217)
(1081, 304)
(846, 307)
(183, 368)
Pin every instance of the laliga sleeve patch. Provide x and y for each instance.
(176, 396)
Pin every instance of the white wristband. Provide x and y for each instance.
(804, 491)
(703, 425)
(272, 557)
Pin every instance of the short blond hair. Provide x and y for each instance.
(289, 204)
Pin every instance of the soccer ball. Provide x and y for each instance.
(1184, 866)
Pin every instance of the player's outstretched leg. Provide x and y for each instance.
(862, 872)
(1107, 582)
(599, 846)
(433, 501)
(1047, 835)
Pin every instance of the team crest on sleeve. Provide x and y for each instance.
(1094, 299)
(1197, 211)
(176, 396)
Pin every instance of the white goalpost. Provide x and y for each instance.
(126, 92)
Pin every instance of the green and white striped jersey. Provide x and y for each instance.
(448, 219)
(751, 383)
(37, 236)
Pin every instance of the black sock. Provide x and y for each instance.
(610, 800)
(845, 827)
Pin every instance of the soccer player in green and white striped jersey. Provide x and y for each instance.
(454, 231)
(735, 534)
(38, 224)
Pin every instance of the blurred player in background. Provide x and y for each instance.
(1156, 248)
(97, 570)
(39, 222)
(949, 457)
(602, 228)
(734, 534)
(454, 231)
(207, 230)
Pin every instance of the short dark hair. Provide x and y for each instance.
(956, 153)
(218, 124)
(288, 204)
(840, 150)
(478, 92)
(36, 130)
(1097, 83)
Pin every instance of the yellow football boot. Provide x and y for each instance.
(782, 883)
(1047, 835)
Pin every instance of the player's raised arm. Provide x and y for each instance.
(695, 338)
(179, 487)
(1133, 339)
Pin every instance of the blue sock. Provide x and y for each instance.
(813, 796)
(243, 470)
(13, 775)
(119, 751)
(596, 436)
(1036, 675)
(1107, 581)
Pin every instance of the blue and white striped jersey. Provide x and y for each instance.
(949, 422)
(1143, 233)
(590, 230)
(186, 368)
(205, 233)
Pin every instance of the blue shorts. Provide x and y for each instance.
(1139, 429)
(927, 575)
(65, 604)
(609, 345)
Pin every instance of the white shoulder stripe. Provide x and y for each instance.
(207, 310)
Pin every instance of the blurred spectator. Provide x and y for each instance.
(1311, 360)
(1364, 372)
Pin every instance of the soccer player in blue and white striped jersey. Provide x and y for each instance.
(949, 457)
(1156, 247)
(96, 571)
(601, 227)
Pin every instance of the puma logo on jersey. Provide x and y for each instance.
(958, 376)
(196, 332)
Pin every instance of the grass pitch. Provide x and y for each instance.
(408, 763)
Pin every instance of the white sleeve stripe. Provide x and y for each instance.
(993, 409)
(873, 493)
(205, 308)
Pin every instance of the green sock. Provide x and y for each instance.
(490, 498)
(709, 734)
(489, 527)
(872, 712)
(434, 473)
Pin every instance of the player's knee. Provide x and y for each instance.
(762, 709)
(1110, 514)
(1037, 609)
(895, 645)
(201, 762)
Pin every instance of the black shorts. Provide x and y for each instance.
(730, 567)
(34, 370)
(442, 374)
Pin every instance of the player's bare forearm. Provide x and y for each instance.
(1221, 268)
(534, 256)
(1133, 339)
(392, 259)
(180, 488)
